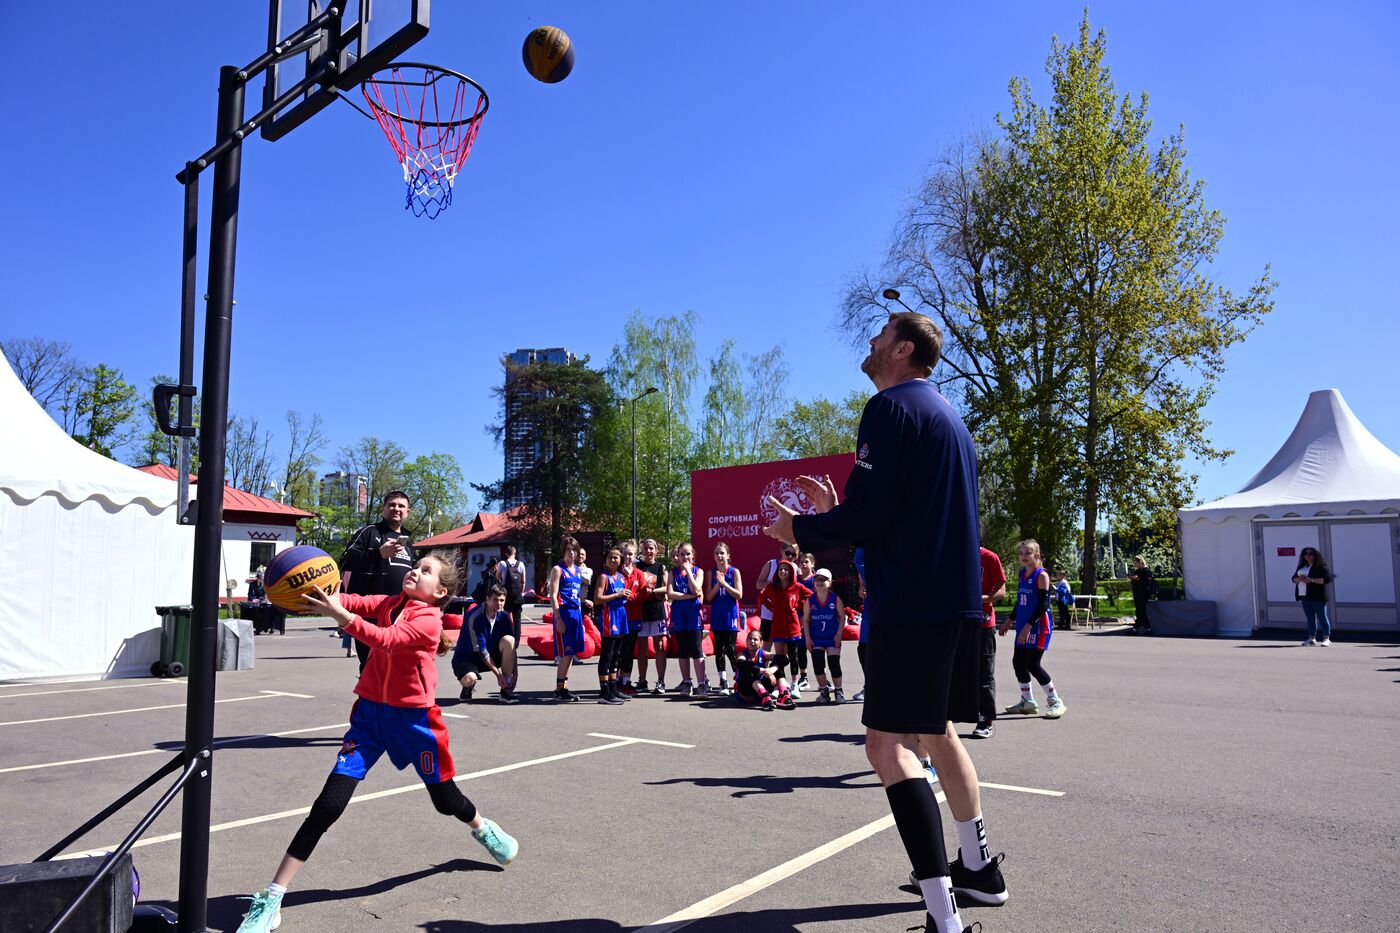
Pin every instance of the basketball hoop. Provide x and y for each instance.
(423, 111)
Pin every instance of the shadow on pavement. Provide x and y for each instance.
(332, 739)
(852, 738)
(226, 912)
(775, 920)
(773, 784)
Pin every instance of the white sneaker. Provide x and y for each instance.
(859, 695)
(1308, 643)
(1325, 642)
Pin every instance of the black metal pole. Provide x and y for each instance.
(187, 286)
(218, 330)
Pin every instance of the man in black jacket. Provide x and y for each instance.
(378, 557)
(1144, 586)
(911, 504)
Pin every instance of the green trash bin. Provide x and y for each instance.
(174, 641)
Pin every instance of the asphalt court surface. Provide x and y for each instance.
(1220, 785)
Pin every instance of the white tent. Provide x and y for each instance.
(1332, 486)
(90, 547)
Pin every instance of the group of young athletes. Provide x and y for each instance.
(638, 603)
(396, 710)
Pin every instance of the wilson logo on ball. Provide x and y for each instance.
(293, 572)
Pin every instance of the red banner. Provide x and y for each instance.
(730, 504)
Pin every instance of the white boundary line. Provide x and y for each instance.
(1022, 790)
(218, 743)
(45, 693)
(629, 738)
(362, 798)
(717, 902)
(262, 695)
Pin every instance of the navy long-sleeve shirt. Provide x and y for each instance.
(911, 503)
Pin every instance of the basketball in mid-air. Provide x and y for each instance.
(295, 571)
(548, 54)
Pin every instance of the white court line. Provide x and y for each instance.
(456, 715)
(1022, 790)
(218, 743)
(262, 695)
(604, 735)
(361, 798)
(717, 902)
(45, 693)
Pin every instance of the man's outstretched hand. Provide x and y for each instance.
(822, 491)
(782, 528)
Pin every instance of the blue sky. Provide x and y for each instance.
(739, 160)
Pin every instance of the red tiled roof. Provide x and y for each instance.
(486, 528)
(235, 500)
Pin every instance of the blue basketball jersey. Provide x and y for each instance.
(822, 620)
(570, 582)
(724, 609)
(1025, 611)
(614, 614)
(685, 613)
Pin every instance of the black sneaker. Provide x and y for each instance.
(508, 696)
(568, 696)
(984, 887)
(984, 730)
(466, 695)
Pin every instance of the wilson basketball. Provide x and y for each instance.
(295, 571)
(548, 54)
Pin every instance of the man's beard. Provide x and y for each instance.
(872, 364)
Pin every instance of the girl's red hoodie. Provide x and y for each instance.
(402, 669)
(785, 603)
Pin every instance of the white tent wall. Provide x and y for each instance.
(1216, 564)
(90, 547)
(93, 575)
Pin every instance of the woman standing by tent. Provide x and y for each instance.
(1311, 578)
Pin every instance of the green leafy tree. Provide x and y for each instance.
(106, 406)
(1067, 262)
(435, 495)
(658, 352)
(380, 462)
(822, 426)
(561, 403)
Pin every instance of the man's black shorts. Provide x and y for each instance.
(469, 664)
(920, 677)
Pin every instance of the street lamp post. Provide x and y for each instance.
(892, 294)
(634, 401)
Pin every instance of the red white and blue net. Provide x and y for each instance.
(431, 117)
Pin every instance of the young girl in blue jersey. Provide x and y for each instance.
(756, 682)
(1033, 629)
(610, 595)
(725, 591)
(823, 615)
(685, 589)
(566, 599)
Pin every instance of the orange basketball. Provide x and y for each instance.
(295, 571)
(548, 54)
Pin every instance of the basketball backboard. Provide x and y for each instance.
(372, 34)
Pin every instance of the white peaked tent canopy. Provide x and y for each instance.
(90, 547)
(1329, 466)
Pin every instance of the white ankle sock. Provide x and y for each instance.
(938, 900)
(972, 839)
(275, 888)
(1026, 693)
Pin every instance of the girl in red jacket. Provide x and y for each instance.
(396, 713)
(784, 598)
